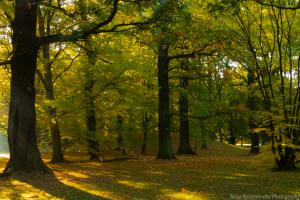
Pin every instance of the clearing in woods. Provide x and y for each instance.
(220, 172)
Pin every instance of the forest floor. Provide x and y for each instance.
(220, 172)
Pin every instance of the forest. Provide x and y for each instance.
(149, 99)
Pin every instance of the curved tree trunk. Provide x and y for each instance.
(24, 154)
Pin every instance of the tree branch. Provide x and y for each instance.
(6, 62)
(40, 75)
(93, 53)
(203, 117)
(66, 69)
(277, 6)
(64, 11)
(194, 53)
(82, 34)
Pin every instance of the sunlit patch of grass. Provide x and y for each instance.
(156, 173)
(183, 195)
(227, 177)
(242, 175)
(138, 185)
(90, 188)
(21, 190)
(77, 175)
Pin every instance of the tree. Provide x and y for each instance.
(24, 154)
(268, 35)
(44, 24)
(89, 101)
(22, 115)
(252, 105)
(165, 148)
(184, 141)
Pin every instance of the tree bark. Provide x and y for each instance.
(89, 105)
(252, 108)
(24, 153)
(57, 153)
(90, 119)
(184, 139)
(165, 148)
(232, 127)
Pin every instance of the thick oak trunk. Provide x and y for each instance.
(165, 148)
(184, 137)
(24, 154)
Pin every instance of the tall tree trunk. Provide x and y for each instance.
(145, 139)
(203, 137)
(47, 80)
(57, 154)
(90, 118)
(221, 135)
(146, 124)
(24, 154)
(232, 128)
(252, 108)
(89, 100)
(184, 139)
(89, 104)
(165, 148)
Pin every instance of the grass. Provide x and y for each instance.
(217, 173)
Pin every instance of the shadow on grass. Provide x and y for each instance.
(49, 184)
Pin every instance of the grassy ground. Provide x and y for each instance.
(220, 172)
